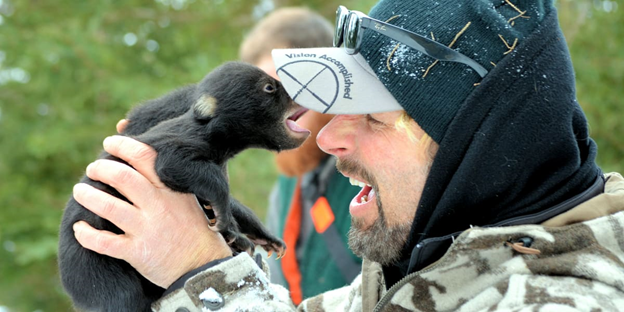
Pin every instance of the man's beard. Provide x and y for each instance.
(379, 242)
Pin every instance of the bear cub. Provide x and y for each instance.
(195, 130)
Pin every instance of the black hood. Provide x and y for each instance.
(518, 151)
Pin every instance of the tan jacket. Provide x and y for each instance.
(580, 267)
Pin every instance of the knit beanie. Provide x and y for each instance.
(431, 92)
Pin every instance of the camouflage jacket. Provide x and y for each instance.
(575, 263)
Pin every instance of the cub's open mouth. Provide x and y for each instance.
(291, 121)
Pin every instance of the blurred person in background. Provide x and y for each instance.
(305, 206)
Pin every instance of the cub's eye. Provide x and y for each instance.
(269, 88)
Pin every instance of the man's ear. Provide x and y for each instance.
(205, 107)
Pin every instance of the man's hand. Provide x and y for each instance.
(121, 125)
(166, 232)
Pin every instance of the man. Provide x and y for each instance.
(306, 207)
(504, 209)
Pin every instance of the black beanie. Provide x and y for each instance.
(486, 30)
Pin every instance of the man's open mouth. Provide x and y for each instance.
(365, 194)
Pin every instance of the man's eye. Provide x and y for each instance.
(372, 120)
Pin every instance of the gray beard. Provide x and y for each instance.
(380, 243)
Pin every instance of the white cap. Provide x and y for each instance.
(328, 80)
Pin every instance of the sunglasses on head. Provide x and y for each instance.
(348, 32)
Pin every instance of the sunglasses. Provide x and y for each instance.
(348, 32)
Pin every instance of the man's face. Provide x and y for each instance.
(370, 149)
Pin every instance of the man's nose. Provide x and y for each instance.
(337, 137)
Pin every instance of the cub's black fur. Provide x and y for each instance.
(195, 130)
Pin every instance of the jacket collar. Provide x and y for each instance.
(432, 249)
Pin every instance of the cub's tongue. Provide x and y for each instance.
(291, 121)
(292, 125)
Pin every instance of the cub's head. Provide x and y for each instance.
(242, 100)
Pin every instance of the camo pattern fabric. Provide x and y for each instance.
(573, 262)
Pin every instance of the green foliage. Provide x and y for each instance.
(69, 70)
(595, 37)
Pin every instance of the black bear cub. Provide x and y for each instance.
(195, 130)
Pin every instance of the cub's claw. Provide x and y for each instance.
(210, 213)
(278, 247)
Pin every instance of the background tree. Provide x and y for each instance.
(69, 70)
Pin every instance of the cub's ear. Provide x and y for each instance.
(205, 107)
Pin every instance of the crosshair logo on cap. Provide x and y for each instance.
(318, 83)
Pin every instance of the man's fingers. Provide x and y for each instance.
(109, 207)
(121, 125)
(139, 155)
(123, 178)
(102, 242)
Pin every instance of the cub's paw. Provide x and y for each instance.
(238, 242)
